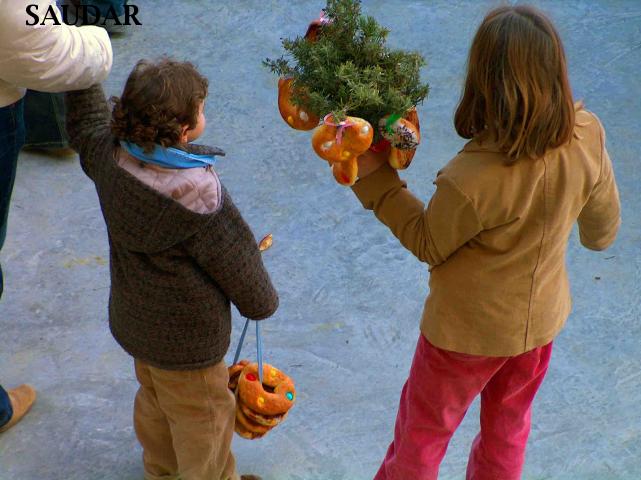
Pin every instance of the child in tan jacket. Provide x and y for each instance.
(180, 254)
(495, 234)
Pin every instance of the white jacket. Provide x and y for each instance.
(49, 58)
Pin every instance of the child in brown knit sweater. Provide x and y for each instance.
(180, 252)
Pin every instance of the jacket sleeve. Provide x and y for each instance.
(225, 248)
(432, 234)
(600, 218)
(88, 121)
(50, 58)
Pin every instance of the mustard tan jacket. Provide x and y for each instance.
(495, 235)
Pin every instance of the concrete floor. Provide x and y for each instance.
(350, 297)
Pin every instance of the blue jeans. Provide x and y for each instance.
(44, 120)
(12, 134)
(6, 412)
(104, 5)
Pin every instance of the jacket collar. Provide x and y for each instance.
(475, 145)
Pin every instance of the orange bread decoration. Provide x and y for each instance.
(342, 141)
(234, 374)
(261, 419)
(274, 397)
(325, 145)
(412, 116)
(401, 133)
(296, 117)
(260, 407)
(246, 433)
(346, 173)
(400, 158)
(250, 425)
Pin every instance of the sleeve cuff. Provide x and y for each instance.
(603, 242)
(369, 189)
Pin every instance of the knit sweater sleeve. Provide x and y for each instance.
(88, 125)
(226, 249)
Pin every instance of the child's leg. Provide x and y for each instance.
(201, 412)
(440, 388)
(499, 450)
(152, 430)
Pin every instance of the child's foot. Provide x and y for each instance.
(22, 399)
(250, 477)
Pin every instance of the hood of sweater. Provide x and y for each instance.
(143, 219)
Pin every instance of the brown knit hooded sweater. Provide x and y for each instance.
(173, 271)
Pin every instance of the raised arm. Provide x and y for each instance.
(600, 218)
(432, 234)
(88, 124)
(50, 58)
(227, 251)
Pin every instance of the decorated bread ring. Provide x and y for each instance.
(274, 397)
(400, 159)
(315, 28)
(264, 420)
(342, 141)
(249, 425)
(234, 373)
(345, 173)
(401, 133)
(245, 433)
(412, 116)
(295, 116)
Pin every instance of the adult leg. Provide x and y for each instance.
(104, 6)
(11, 140)
(44, 118)
(498, 452)
(152, 430)
(440, 388)
(201, 413)
(108, 9)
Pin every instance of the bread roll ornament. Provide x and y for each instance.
(401, 133)
(342, 141)
(404, 135)
(295, 116)
(400, 159)
(346, 173)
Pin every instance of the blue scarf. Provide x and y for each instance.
(169, 157)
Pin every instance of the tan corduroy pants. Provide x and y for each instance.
(184, 421)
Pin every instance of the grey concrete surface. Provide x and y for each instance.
(351, 298)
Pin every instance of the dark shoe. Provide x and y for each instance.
(22, 399)
(250, 477)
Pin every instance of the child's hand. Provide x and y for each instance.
(370, 161)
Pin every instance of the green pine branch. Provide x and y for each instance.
(349, 70)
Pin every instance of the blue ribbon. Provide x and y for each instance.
(259, 348)
(169, 157)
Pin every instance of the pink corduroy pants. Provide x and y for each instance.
(440, 388)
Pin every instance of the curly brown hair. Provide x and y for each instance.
(159, 99)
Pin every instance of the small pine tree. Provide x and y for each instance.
(349, 70)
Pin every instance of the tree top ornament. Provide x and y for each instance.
(342, 72)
